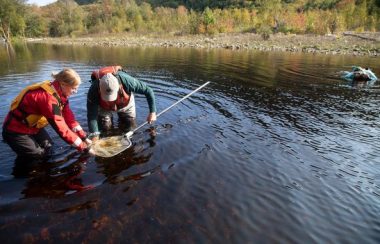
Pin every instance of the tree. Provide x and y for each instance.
(208, 18)
(35, 25)
(68, 18)
(11, 16)
(270, 11)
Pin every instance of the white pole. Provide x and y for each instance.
(130, 133)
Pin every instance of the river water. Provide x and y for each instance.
(277, 148)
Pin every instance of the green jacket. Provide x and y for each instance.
(130, 84)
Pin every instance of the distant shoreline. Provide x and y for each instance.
(364, 44)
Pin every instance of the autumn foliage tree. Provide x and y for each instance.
(67, 18)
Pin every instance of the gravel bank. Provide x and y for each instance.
(365, 44)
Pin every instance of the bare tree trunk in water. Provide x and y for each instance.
(5, 33)
(11, 55)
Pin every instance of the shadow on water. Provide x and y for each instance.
(361, 84)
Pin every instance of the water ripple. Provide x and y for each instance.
(276, 149)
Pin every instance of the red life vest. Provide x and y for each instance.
(123, 97)
(33, 120)
(97, 74)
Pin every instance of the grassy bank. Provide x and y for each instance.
(365, 44)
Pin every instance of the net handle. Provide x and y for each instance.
(130, 133)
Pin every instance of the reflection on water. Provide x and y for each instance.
(276, 149)
(56, 183)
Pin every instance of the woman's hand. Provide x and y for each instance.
(91, 152)
(85, 148)
(88, 142)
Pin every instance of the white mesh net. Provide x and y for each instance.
(111, 146)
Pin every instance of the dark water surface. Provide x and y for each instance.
(276, 149)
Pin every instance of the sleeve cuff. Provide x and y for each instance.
(77, 142)
(77, 128)
(93, 134)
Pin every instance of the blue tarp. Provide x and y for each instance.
(349, 75)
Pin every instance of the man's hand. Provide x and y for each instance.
(151, 118)
(94, 139)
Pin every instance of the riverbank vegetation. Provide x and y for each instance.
(68, 18)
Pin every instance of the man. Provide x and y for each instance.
(112, 90)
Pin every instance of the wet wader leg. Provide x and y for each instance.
(105, 123)
(105, 120)
(26, 146)
(127, 116)
(126, 123)
(24, 166)
(44, 140)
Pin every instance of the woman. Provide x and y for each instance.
(39, 105)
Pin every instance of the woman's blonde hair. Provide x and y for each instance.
(68, 76)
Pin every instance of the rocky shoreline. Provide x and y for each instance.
(364, 44)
